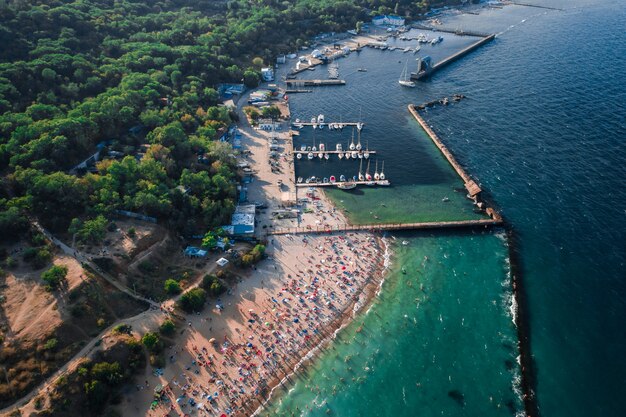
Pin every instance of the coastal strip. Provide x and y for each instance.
(522, 323)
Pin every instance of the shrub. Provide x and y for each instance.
(10, 262)
(167, 327)
(255, 255)
(101, 323)
(51, 344)
(193, 300)
(172, 287)
(42, 258)
(132, 233)
(54, 276)
(122, 328)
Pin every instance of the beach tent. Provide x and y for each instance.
(222, 261)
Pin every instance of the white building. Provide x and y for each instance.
(390, 20)
(267, 74)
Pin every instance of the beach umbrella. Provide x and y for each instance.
(212, 340)
(251, 311)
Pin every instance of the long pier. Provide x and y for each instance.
(427, 73)
(539, 6)
(314, 83)
(460, 224)
(459, 32)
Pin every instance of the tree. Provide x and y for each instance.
(54, 276)
(107, 372)
(172, 286)
(151, 341)
(193, 300)
(209, 240)
(257, 62)
(251, 78)
(12, 224)
(213, 285)
(167, 327)
(93, 231)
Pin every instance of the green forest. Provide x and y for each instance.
(136, 80)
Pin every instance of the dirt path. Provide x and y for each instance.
(85, 260)
(147, 320)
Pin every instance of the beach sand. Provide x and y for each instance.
(263, 327)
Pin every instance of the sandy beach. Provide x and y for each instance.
(229, 357)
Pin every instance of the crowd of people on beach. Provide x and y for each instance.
(300, 305)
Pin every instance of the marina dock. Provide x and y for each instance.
(436, 67)
(334, 184)
(313, 83)
(333, 152)
(461, 224)
(345, 124)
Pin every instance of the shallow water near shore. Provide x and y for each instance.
(542, 130)
(427, 332)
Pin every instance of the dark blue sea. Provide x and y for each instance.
(543, 130)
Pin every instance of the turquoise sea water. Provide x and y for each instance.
(427, 332)
(543, 131)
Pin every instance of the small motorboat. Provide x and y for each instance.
(325, 180)
(332, 179)
(299, 155)
(342, 178)
(299, 180)
(346, 185)
(340, 155)
(326, 156)
(310, 156)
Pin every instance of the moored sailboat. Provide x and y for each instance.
(404, 80)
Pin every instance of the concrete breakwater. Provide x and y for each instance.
(436, 67)
(472, 187)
